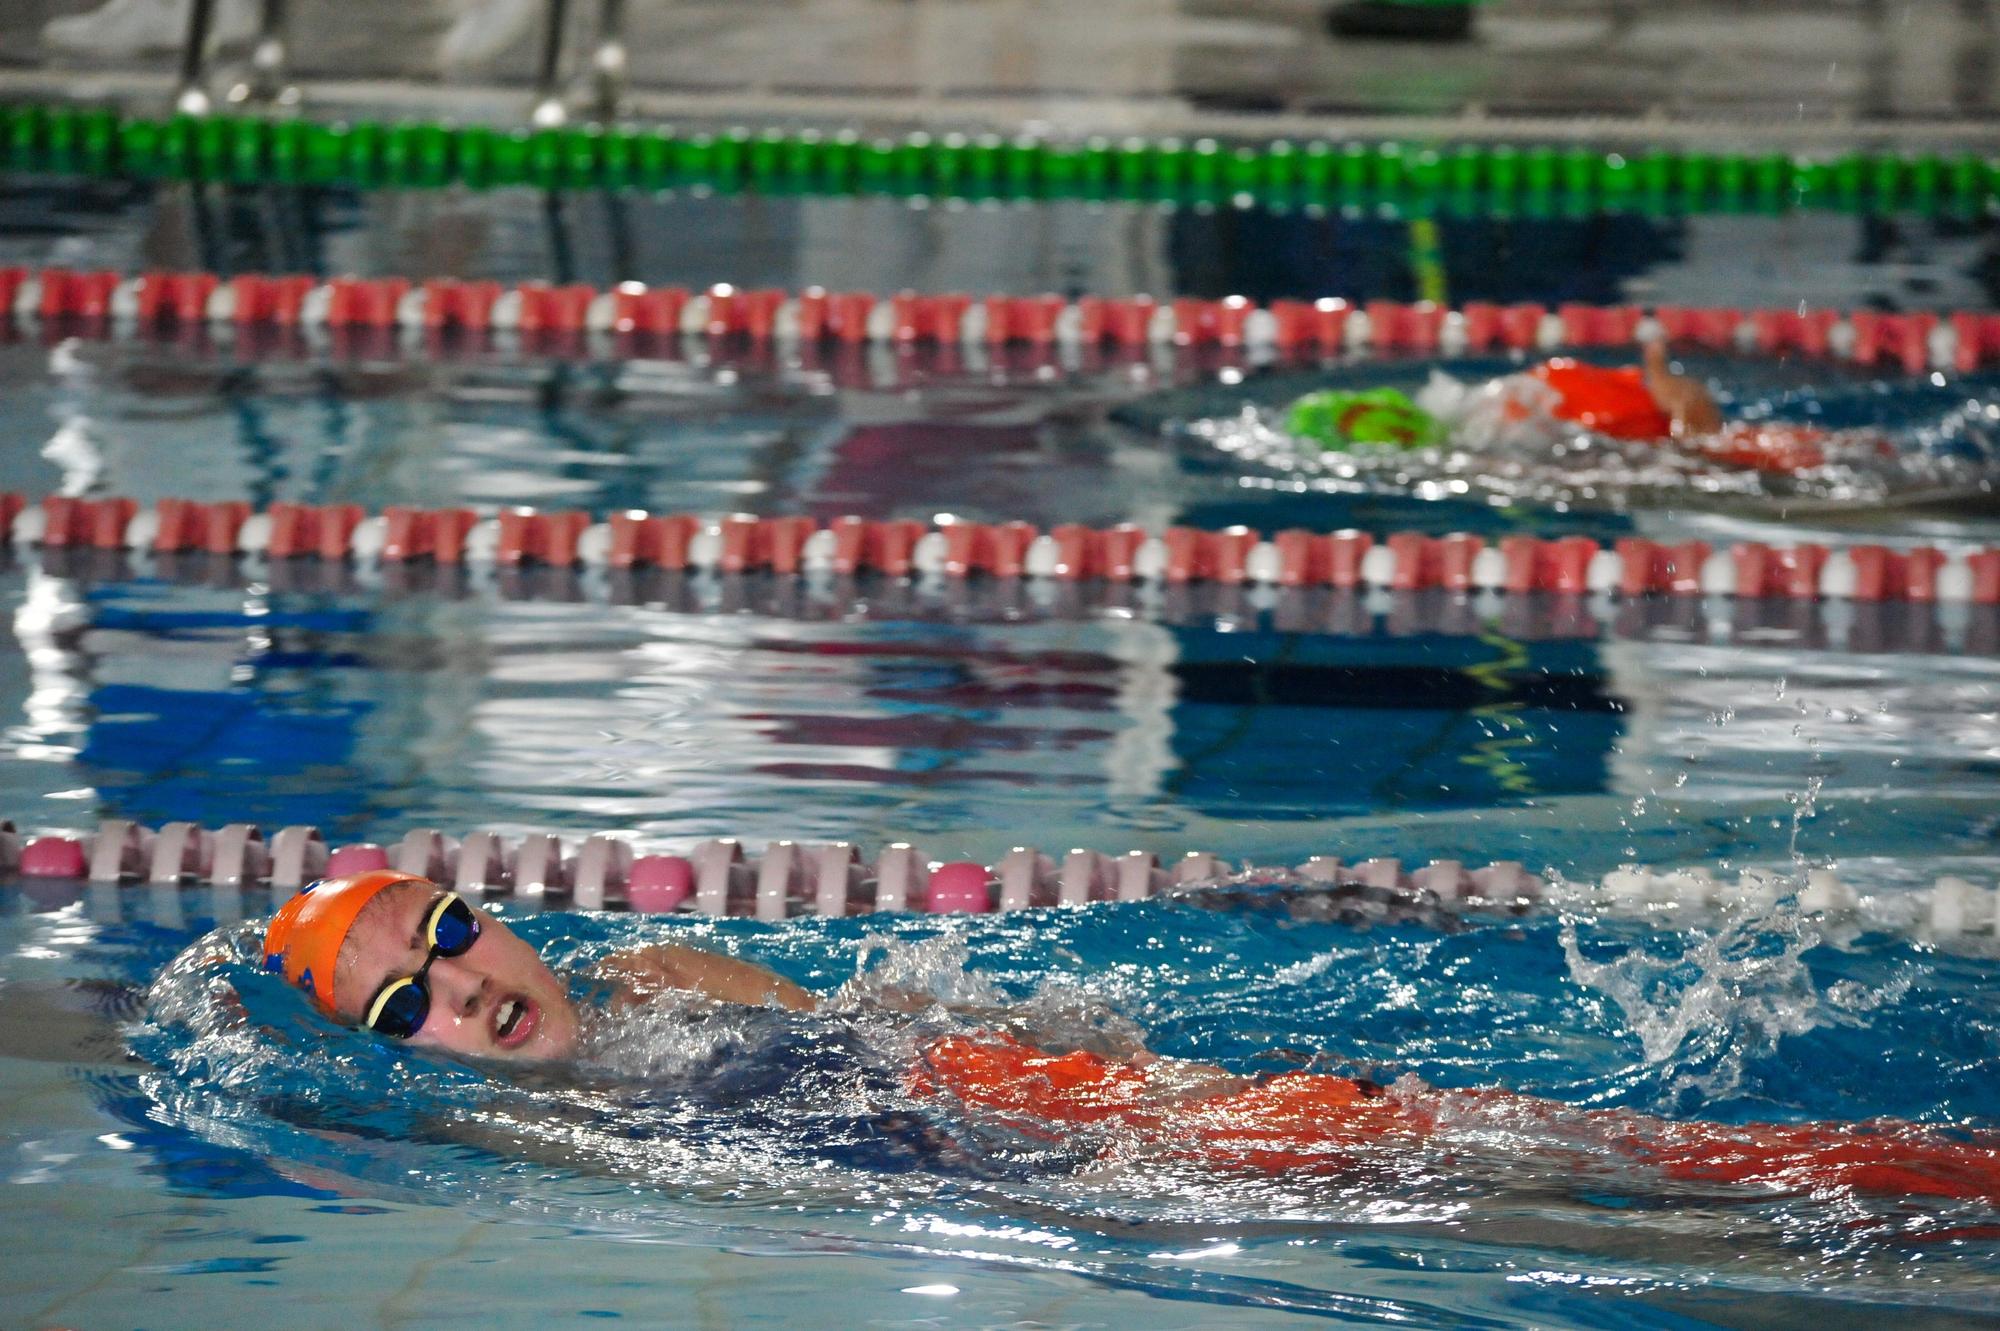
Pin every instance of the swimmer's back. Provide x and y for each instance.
(1320, 1123)
(1290, 1121)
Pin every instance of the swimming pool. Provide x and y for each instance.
(212, 1173)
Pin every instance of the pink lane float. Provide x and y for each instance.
(790, 879)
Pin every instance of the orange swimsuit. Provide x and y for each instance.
(1312, 1121)
(1290, 1121)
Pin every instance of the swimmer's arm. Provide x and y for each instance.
(1686, 402)
(645, 971)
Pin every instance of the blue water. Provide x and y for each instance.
(174, 1160)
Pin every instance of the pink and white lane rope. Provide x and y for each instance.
(115, 304)
(789, 879)
(801, 546)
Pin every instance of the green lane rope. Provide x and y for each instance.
(1469, 179)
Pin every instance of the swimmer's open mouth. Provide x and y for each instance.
(514, 1022)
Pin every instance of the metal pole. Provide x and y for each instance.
(191, 97)
(265, 81)
(607, 65)
(549, 108)
(267, 57)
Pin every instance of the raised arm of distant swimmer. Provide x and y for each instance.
(1691, 407)
(656, 967)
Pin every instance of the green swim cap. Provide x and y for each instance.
(1337, 419)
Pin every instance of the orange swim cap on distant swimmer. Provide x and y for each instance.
(1615, 402)
(303, 939)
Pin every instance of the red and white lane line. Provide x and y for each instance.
(789, 879)
(1786, 624)
(949, 548)
(112, 304)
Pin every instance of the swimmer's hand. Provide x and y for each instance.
(644, 972)
(1686, 402)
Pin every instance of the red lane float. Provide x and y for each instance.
(1559, 566)
(257, 300)
(101, 523)
(1457, 563)
(543, 538)
(415, 533)
(1648, 568)
(641, 540)
(111, 304)
(1909, 619)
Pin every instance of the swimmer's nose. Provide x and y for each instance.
(457, 987)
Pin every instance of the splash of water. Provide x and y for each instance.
(1704, 1013)
(1805, 805)
(933, 968)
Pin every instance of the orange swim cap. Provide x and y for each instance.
(303, 939)
(1610, 401)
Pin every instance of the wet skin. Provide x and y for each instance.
(1686, 402)
(495, 1000)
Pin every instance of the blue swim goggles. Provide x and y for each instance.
(401, 1005)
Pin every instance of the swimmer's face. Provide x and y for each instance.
(494, 1000)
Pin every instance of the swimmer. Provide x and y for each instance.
(398, 955)
(1648, 403)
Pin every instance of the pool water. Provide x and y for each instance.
(173, 1166)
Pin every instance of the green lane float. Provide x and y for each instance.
(1463, 179)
